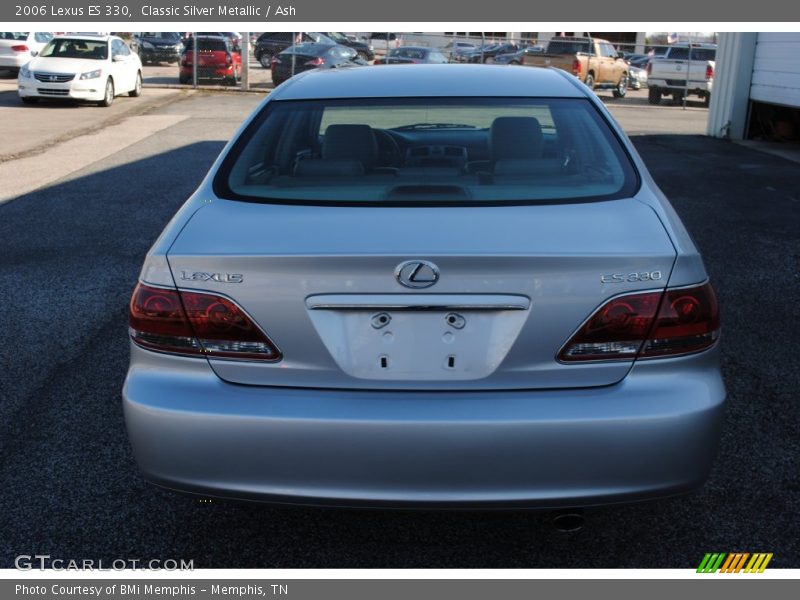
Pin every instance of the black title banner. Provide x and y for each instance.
(475, 11)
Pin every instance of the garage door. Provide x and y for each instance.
(776, 70)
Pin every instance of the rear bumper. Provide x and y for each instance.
(695, 87)
(15, 61)
(653, 434)
(209, 72)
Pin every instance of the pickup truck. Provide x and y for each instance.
(594, 61)
(666, 75)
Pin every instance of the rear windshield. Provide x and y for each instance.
(14, 35)
(208, 45)
(682, 53)
(427, 151)
(568, 47)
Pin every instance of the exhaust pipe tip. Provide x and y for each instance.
(568, 521)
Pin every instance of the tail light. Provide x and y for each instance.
(576, 67)
(315, 62)
(647, 324)
(195, 323)
(20, 48)
(709, 72)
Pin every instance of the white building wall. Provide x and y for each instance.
(733, 72)
(776, 69)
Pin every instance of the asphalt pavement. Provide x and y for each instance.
(70, 258)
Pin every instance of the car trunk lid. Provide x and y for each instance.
(513, 284)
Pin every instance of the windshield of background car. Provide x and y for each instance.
(413, 53)
(76, 48)
(336, 37)
(427, 150)
(14, 35)
(167, 36)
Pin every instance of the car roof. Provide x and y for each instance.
(446, 80)
(85, 36)
(693, 45)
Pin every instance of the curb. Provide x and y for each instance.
(205, 88)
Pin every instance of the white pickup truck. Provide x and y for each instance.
(666, 75)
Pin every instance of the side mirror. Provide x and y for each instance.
(620, 55)
(34, 53)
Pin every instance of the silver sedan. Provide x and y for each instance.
(430, 285)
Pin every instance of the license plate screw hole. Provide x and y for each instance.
(381, 320)
(455, 320)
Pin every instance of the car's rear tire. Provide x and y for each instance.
(515, 62)
(654, 96)
(28, 99)
(108, 96)
(707, 100)
(622, 86)
(137, 89)
(183, 79)
(265, 59)
(589, 81)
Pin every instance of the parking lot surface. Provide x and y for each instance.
(71, 255)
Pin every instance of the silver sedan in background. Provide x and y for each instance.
(430, 285)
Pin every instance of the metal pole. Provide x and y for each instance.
(194, 59)
(483, 44)
(294, 56)
(688, 70)
(245, 54)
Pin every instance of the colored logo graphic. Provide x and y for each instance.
(737, 562)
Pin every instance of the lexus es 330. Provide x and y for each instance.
(435, 285)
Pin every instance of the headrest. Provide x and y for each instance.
(515, 137)
(350, 142)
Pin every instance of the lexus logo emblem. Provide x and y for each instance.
(417, 274)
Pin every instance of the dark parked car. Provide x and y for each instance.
(158, 46)
(489, 52)
(216, 60)
(518, 57)
(272, 43)
(362, 48)
(312, 55)
(413, 55)
(640, 62)
(457, 51)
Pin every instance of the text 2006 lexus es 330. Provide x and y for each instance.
(444, 285)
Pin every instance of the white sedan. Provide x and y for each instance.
(92, 68)
(18, 47)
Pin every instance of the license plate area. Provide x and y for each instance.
(434, 339)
